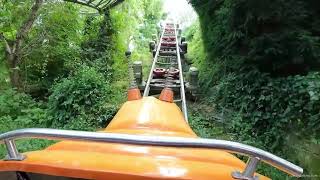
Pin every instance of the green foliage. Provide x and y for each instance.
(197, 53)
(97, 48)
(206, 122)
(270, 108)
(52, 46)
(151, 18)
(280, 115)
(260, 68)
(125, 19)
(281, 37)
(18, 110)
(135, 21)
(12, 14)
(52, 43)
(79, 101)
(73, 62)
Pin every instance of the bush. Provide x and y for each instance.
(268, 109)
(17, 111)
(78, 102)
(280, 115)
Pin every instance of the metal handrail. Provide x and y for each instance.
(155, 59)
(182, 91)
(255, 154)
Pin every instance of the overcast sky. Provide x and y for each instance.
(180, 10)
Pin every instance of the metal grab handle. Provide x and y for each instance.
(229, 146)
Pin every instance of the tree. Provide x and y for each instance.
(97, 48)
(13, 47)
(52, 49)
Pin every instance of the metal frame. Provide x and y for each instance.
(99, 5)
(255, 154)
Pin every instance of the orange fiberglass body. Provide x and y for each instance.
(147, 116)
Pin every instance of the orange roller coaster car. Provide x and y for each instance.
(146, 117)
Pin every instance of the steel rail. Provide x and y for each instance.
(155, 59)
(182, 90)
(178, 142)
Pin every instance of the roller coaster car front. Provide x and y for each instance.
(113, 161)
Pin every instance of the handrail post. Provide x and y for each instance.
(248, 173)
(13, 154)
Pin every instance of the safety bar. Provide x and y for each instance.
(255, 154)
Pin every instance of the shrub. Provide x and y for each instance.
(17, 111)
(78, 101)
(271, 109)
(280, 115)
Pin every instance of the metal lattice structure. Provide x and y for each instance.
(99, 5)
